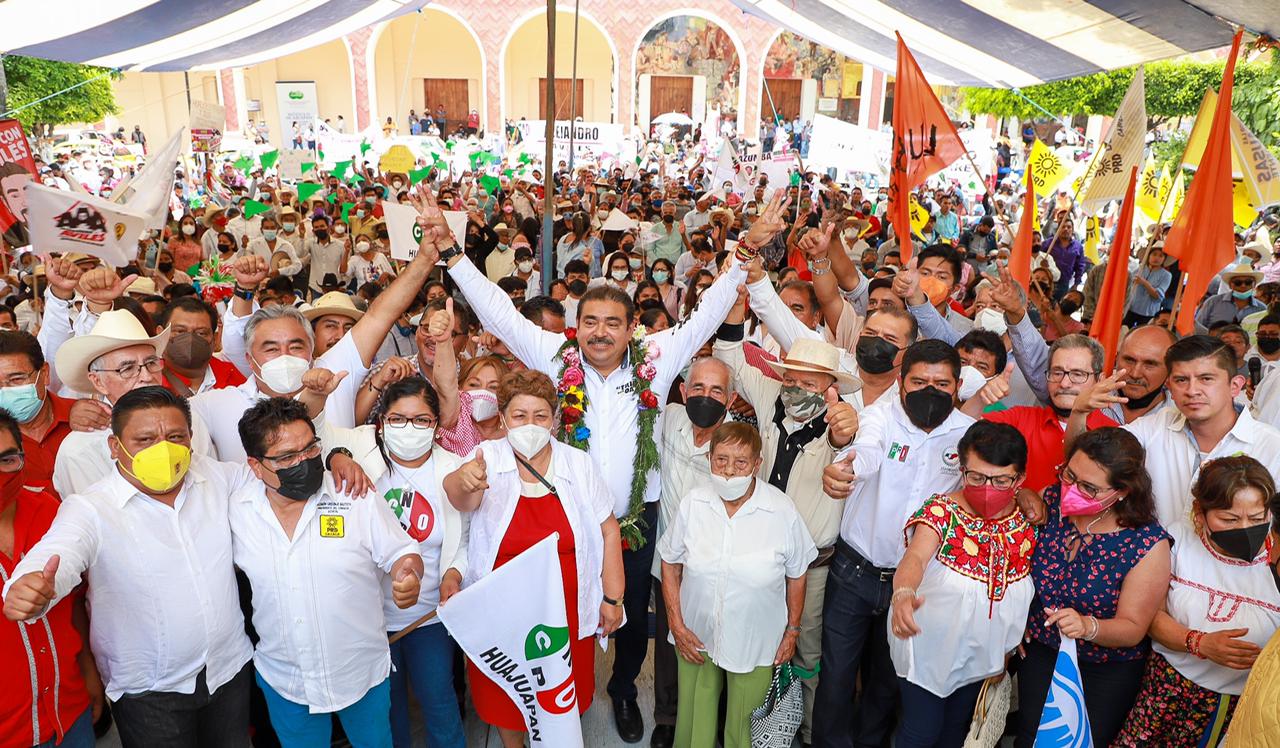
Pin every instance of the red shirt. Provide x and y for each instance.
(49, 649)
(1043, 432)
(40, 455)
(225, 374)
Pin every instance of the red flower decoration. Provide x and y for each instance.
(625, 545)
(963, 548)
(570, 415)
(571, 333)
(648, 399)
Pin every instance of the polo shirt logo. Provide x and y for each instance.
(331, 526)
(898, 452)
(950, 457)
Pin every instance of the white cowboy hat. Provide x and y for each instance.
(114, 330)
(334, 302)
(1238, 271)
(617, 221)
(820, 357)
(1259, 246)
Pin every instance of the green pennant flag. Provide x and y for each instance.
(340, 169)
(475, 160)
(508, 173)
(355, 178)
(490, 183)
(321, 154)
(307, 189)
(254, 208)
(638, 160)
(795, 178)
(417, 175)
(526, 158)
(346, 210)
(332, 199)
(364, 147)
(439, 163)
(268, 159)
(308, 166)
(244, 164)
(448, 146)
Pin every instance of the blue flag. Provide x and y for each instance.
(1064, 723)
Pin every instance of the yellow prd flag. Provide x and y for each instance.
(1121, 151)
(1148, 200)
(1092, 238)
(919, 216)
(1177, 194)
(1260, 168)
(1047, 170)
(1166, 184)
(1241, 211)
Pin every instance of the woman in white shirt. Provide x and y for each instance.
(617, 274)
(1221, 609)
(973, 565)
(733, 578)
(519, 490)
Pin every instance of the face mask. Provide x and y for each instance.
(1243, 543)
(339, 230)
(507, 209)
(164, 267)
(1268, 345)
(668, 219)
(322, 235)
(225, 248)
(577, 287)
(874, 355)
(525, 266)
(1075, 503)
(283, 374)
(301, 481)
(406, 441)
(971, 380)
(619, 275)
(635, 262)
(188, 229)
(1242, 295)
(10, 485)
(868, 268)
(849, 236)
(991, 320)
(529, 439)
(188, 351)
(289, 227)
(22, 401)
(370, 200)
(484, 404)
(928, 407)
(988, 501)
(935, 289)
(269, 234)
(1068, 307)
(704, 411)
(730, 489)
(800, 404)
(362, 247)
(396, 185)
(360, 213)
(159, 467)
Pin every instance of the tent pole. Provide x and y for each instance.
(548, 194)
(573, 84)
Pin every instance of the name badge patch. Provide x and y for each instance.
(331, 526)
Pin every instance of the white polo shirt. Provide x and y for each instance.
(84, 457)
(1174, 458)
(684, 466)
(897, 466)
(317, 598)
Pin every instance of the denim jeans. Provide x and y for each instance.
(367, 722)
(854, 613)
(423, 660)
(932, 721)
(78, 735)
(198, 720)
(632, 640)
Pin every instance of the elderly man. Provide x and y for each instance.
(1234, 304)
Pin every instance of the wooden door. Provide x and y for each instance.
(562, 99)
(452, 92)
(786, 98)
(670, 93)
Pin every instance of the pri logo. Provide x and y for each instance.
(547, 650)
(83, 223)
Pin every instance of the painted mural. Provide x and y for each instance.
(792, 56)
(689, 45)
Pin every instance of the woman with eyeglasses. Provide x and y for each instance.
(968, 559)
(1101, 571)
(1221, 608)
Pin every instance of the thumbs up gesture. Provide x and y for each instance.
(322, 382)
(405, 587)
(997, 389)
(440, 325)
(31, 593)
(474, 475)
(841, 418)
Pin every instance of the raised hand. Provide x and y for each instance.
(816, 244)
(440, 326)
(405, 588)
(31, 593)
(1101, 394)
(322, 382)
(473, 475)
(392, 370)
(997, 389)
(63, 276)
(770, 222)
(841, 418)
(102, 286)
(1006, 293)
(906, 285)
(249, 271)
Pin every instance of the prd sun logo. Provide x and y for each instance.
(547, 650)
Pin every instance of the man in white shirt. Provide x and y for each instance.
(270, 244)
(905, 451)
(701, 256)
(316, 560)
(501, 262)
(700, 216)
(325, 253)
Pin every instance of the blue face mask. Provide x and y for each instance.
(269, 234)
(1242, 295)
(22, 401)
(405, 330)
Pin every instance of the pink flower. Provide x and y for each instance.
(651, 352)
(647, 371)
(570, 357)
(572, 377)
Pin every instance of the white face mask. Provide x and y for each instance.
(362, 247)
(525, 266)
(529, 439)
(188, 229)
(619, 275)
(339, 229)
(406, 441)
(396, 185)
(992, 320)
(730, 489)
(283, 374)
(971, 380)
(484, 404)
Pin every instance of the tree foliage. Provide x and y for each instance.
(31, 78)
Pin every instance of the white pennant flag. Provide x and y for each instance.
(729, 169)
(62, 221)
(1107, 177)
(150, 191)
(527, 649)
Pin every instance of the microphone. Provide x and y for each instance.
(1255, 371)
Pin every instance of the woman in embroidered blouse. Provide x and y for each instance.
(519, 490)
(1101, 570)
(973, 566)
(1221, 609)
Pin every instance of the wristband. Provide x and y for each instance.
(898, 594)
(243, 293)
(795, 629)
(610, 601)
(745, 252)
(1193, 643)
(337, 451)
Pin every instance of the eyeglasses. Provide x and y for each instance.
(11, 462)
(17, 379)
(131, 371)
(1077, 376)
(1242, 282)
(289, 459)
(1002, 482)
(1088, 489)
(420, 422)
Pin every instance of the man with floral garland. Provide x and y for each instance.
(613, 379)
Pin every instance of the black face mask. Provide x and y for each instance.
(301, 481)
(668, 219)
(322, 235)
(874, 355)
(1269, 345)
(188, 351)
(1068, 307)
(1242, 542)
(869, 268)
(1138, 403)
(224, 248)
(928, 407)
(577, 287)
(704, 411)
(164, 267)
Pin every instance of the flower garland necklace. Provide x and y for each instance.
(573, 407)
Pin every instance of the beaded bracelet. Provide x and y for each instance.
(898, 594)
(1193, 643)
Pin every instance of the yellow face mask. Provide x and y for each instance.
(159, 467)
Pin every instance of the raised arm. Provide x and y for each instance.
(56, 329)
(1029, 349)
(369, 333)
(444, 369)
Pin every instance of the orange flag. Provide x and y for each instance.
(924, 142)
(1106, 319)
(1202, 237)
(1020, 257)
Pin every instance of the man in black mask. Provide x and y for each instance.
(189, 365)
(576, 274)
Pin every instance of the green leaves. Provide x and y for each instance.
(30, 79)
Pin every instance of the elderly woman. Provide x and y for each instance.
(968, 558)
(1204, 648)
(521, 489)
(1101, 571)
(733, 579)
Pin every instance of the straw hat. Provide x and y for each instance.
(114, 330)
(334, 302)
(1259, 246)
(617, 221)
(143, 285)
(212, 213)
(820, 357)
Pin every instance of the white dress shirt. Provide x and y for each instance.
(260, 248)
(324, 258)
(897, 466)
(684, 466)
(163, 590)
(317, 597)
(1174, 458)
(612, 414)
(84, 457)
(736, 570)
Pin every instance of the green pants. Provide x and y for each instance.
(698, 706)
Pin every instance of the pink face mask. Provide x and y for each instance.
(1075, 503)
(988, 501)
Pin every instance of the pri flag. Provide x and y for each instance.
(527, 649)
(1111, 300)
(1108, 172)
(924, 142)
(17, 167)
(403, 228)
(1064, 723)
(62, 221)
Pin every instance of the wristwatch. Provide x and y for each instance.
(450, 253)
(336, 451)
(610, 601)
(244, 293)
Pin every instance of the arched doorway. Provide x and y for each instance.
(802, 77)
(524, 64)
(688, 65)
(428, 59)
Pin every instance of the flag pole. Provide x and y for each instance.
(548, 190)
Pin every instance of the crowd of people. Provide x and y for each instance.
(906, 477)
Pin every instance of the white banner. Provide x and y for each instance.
(403, 229)
(297, 103)
(777, 166)
(526, 647)
(598, 141)
(836, 143)
(62, 221)
(289, 164)
(152, 188)
(1108, 175)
